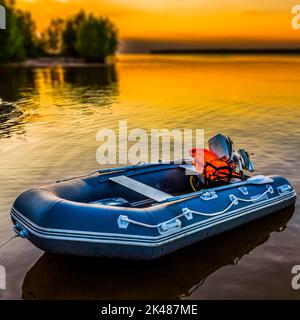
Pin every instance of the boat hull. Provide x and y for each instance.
(67, 227)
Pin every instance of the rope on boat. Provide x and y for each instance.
(234, 201)
(186, 212)
(78, 177)
(7, 241)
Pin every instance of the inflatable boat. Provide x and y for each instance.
(103, 279)
(145, 211)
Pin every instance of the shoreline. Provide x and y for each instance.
(54, 62)
(65, 62)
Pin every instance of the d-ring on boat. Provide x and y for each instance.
(149, 210)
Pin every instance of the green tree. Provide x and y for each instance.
(51, 38)
(80, 36)
(18, 40)
(96, 39)
(27, 28)
(69, 34)
(11, 39)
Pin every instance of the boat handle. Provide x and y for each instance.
(20, 231)
(286, 188)
(169, 226)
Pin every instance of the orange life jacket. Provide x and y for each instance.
(213, 169)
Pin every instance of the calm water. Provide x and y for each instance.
(48, 124)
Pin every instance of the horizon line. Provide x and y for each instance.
(227, 51)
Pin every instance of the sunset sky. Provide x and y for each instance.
(153, 24)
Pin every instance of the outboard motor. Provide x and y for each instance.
(222, 147)
(220, 164)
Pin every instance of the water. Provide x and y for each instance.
(49, 119)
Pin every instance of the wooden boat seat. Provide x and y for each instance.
(141, 188)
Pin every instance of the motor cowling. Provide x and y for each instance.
(220, 164)
(221, 146)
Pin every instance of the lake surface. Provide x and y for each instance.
(49, 118)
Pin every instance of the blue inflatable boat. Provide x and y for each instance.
(142, 212)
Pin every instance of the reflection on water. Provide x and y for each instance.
(49, 118)
(10, 117)
(171, 277)
(99, 78)
(13, 81)
(22, 90)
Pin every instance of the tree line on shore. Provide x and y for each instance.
(81, 36)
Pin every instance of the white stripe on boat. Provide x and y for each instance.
(152, 241)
